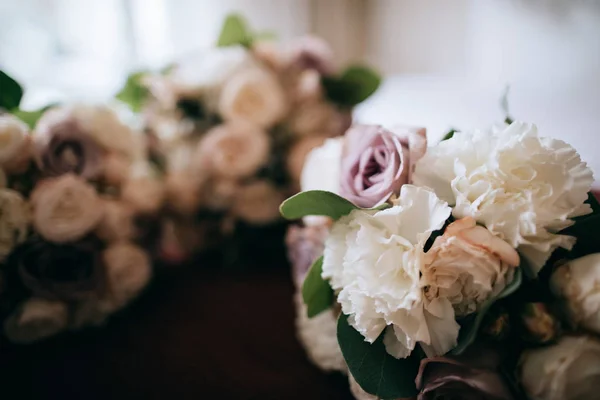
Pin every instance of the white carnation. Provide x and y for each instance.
(522, 187)
(374, 259)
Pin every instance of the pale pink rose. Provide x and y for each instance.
(258, 203)
(65, 208)
(467, 265)
(183, 193)
(317, 118)
(128, 271)
(297, 156)
(117, 225)
(116, 168)
(145, 195)
(307, 87)
(13, 139)
(270, 54)
(377, 162)
(234, 150)
(311, 52)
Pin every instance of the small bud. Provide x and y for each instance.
(540, 326)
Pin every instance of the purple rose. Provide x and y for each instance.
(72, 271)
(472, 376)
(377, 162)
(65, 148)
(304, 245)
(311, 52)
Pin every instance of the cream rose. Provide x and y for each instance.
(14, 221)
(317, 118)
(145, 195)
(577, 283)
(97, 122)
(253, 95)
(128, 272)
(522, 187)
(117, 224)
(234, 150)
(116, 169)
(258, 203)
(568, 370)
(36, 319)
(65, 208)
(374, 259)
(14, 141)
(467, 265)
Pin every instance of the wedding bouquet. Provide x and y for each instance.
(233, 124)
(469, 269)
(75, 208)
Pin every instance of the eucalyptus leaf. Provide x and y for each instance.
(234, 32)
(134, 93)
(11, 92)
(316, 292)
(377, 372)
(469, 330)
(316, 202)
(354, 86)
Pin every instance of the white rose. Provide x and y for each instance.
(128, 272)
(65, 208)
(14, 221)
(36, 319)
(577, 283)
(258, 203)
(522, 187)
(145, 195)
(253, 95)
(374, 259)
(468, 265)
(13, 138)
(234, 150)
(98, 122)
(568, 370)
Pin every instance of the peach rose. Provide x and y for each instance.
(235, 150)
(258, 203)
(65, 208)
(144, 194)
(15, 144)
(117, 225)
(467, 265)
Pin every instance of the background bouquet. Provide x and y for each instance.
(76, 199)
(463, 271)
(232, 126)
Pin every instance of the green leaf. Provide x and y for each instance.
(469, 330)
(449, 135)
(234, 32)
(264, 36)
(316, 202)
(29, 117)
(134, 93)
(354, 86)
(377, 372)
(316, 292)
(11, 92)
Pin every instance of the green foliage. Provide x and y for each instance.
(316, 202)
(470, 326)
(134, 93)
(11, 92)
(236, 32)
(29, 117)
(316, 292)
(354, 86)
(449, 135)
(377, 372)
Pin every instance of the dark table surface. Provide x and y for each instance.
(198, 332)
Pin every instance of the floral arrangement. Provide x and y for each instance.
(75, 210)
(467, 270)
(232, 127)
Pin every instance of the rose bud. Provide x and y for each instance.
(258, 203)
(65, 208)
(36, 319)
(254, 95)
(234, 150)
(15, 144)
(70, 271)
(14, 222)
(540, 326)
(567, 370)
(576, 284)
(377, 162)
(145, 195)
(473, 375)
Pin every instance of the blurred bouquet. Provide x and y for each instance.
(75, 207)
(466, 270)
(232, 127)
